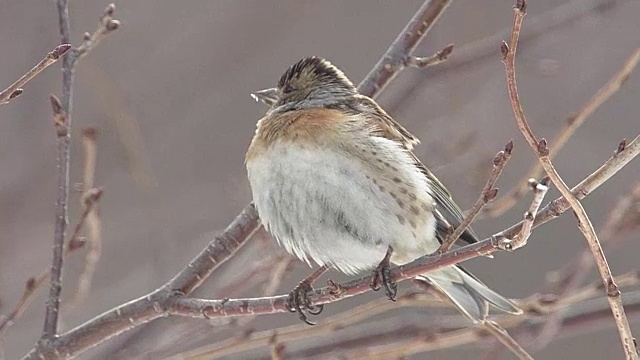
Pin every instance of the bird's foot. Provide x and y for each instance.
(381, 277)
(298, 302)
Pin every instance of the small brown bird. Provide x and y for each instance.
(335, 182)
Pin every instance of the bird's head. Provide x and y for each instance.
(311, 82)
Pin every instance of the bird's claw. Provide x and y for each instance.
(298, 302)
(381, 277)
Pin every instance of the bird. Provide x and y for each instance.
(335, 182)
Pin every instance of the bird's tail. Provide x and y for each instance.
(467, 293)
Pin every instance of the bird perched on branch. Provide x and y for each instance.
(335, 182)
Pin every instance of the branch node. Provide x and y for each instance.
(621, 146)
(504, 49)
(499, 158)
(545, 181)
(30, 285)
(17, 92)
(490, 195)
(508, 148)
(543, 149)
(521, 6)
(112, 25)
(59, 51)
(108, 11)
(529, 216)
(91, 196)
(612, 289)
(59, 116)
(424, 62)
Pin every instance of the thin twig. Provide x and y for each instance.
(395, 58)
(539, 191)
(570, 276)
(36, 282)
(94, 223)
(277, 349)
(506, 202)
(489, 192)
(503, 336)
(14, 90)
(106, 25)
(584, 224)
(435, 59)
(62, 116)
(538, 25)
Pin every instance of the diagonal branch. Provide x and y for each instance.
(395, 58)
(584, 224)
(14, 90)
(510, 343)
(488, 193)
(36, 282)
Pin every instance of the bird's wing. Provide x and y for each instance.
(447, 210)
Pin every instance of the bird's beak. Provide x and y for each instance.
(267, 96)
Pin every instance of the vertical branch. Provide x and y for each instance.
(584, 224)
(62, 118)
(62, 121)
(94, 223)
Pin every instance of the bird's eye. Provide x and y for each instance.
(288, 89)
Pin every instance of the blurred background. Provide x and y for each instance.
(169, 92)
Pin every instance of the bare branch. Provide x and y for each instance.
(489, 193)
(62, 116)
(503, 336)
(539, 191)
(584, 224)
(36, 282)
(395, 58)
(435, 59)
(569, 277)
(107, 24)
(14, 90)
(94, 223)
(612, 86)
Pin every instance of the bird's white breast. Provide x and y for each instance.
(335, 207)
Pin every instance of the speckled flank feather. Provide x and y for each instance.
(335, 182)
(338, 201)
